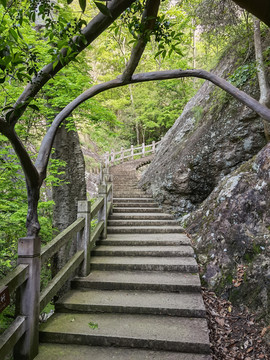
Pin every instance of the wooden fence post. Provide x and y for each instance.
(84, 236)
(132, 152)
(153, 147)
(28, 298)
(102, 214)
(122, 154)
(143, 150)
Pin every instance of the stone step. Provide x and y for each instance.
(161, 281)
(132, 302)
(144, 229)
(135, 204)
(144, 263)
(133, 200)
(119, 209)
(156, 332)
(145, 239)
(83, 352)
(132, 185)
(139, 216)
(103, 250)
(146, 222)
(137, 195)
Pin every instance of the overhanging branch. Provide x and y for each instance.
(30, 171)
(45, 149)
(94, 28)
(148, 23)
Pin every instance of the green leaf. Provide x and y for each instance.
(93, 325)
(4, 3)
(103, 8)
(13, 34)
(82, 5)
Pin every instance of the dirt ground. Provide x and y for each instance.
(234, 333)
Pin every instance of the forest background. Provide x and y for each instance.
(191, 36)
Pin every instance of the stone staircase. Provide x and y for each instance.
(142, 298)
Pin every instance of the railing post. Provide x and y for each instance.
(143, 150)
(110, 193)
(107, 158)
(122, 154)
(112, 156)
(102, 214)
(101, 174)
(28, 297)
(84, 236)
(153, 147)
(132, 152)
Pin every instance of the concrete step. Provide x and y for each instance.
(143, 204)
(139, 216)
(103, 250)
(132, 302)
(145, 239)
(139, 280)
(125, 188)
(83, 352)
(133, 200)
(144, 263)
(144, 229)
(119, 209)
(156, 332)
(131, 194)
(145, 222)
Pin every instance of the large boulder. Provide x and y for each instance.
(212, 137)
(231, 234)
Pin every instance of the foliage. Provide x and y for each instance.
(242, 74)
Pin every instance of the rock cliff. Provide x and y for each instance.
(231, 234)
(211, 138)
(213, 170)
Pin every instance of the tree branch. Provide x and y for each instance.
(45, 149)
(94, 28)
(148, 23)
(30, 171)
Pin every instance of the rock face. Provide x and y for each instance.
(211, 138)
(231, 234)
(213, 169)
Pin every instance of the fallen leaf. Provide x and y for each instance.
(221, 322)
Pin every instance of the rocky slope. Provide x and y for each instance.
(213, 170)
(231, 234)
(211, 138)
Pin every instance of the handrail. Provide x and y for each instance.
(12, 335)
(60, 279)
(61, 239)
(111, 158)
(31, 258)
(15, 278)
(97, 206)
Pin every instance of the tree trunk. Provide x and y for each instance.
(67, 147)
(32, 223)
(261, 73)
